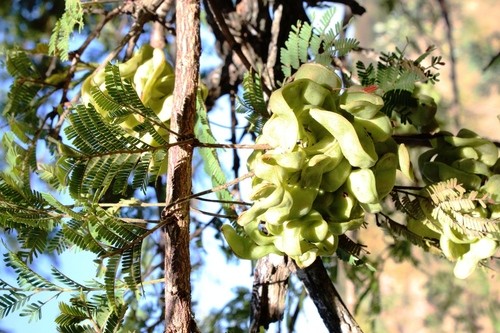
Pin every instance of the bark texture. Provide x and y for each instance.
(270, 285)
(325, 296)
(178, 315)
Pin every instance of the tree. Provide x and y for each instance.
(123, 137)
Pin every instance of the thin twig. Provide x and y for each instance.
(224, 29)
(262, 146)
(222, 216)
(453, 70)
(169, 207)
(231, 202)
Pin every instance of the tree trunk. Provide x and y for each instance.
(178, 315)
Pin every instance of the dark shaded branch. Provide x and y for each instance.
(216, 13)
(355, 7)
(453, 70)
(422, 140)
(491, 62)
(325, 296)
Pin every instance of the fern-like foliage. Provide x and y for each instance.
(26, 211)
(397, 77)
(27, 280)
(12, 301)
(77, 316)
(121, 102)
(106, 155)
(44, 224)
(59, 40)
(349, 250)
(252, 103)
(407, 204)
(320, 44)
(453, 206)
(90, 229)
(25, 87)
(106, 152)
(395, 72)
(399, 231)
(446, 206)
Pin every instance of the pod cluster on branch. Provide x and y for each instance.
(333, 159)
(467, 226)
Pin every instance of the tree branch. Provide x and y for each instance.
(453, 70)
(355, 7)
(331, 308)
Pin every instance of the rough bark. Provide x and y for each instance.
(270, 285)
(178, 315)
(325, 296)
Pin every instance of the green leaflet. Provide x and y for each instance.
(22, 99)
(398, 78)
(210, 158)
(74, 317)
(59, 40)
(91, 229)
(108, 157)
(26, 211)
(252, 102)
(27, 277)
(321, 43)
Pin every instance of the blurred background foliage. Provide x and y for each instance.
(418, 292)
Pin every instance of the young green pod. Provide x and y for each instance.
(355, 143)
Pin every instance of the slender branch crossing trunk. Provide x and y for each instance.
(178, 316)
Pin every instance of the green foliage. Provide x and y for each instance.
(211, 161)
(445, 213)
(26, 211)
(452, 205)
(397, 77)
(107, 155)
(395, 72)
(27, 280)
(321, 44)
(104, 309)
(122, 101)
(59, 41)
(89, 315)
(252, 103)
(21, 97)
(103, 156)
